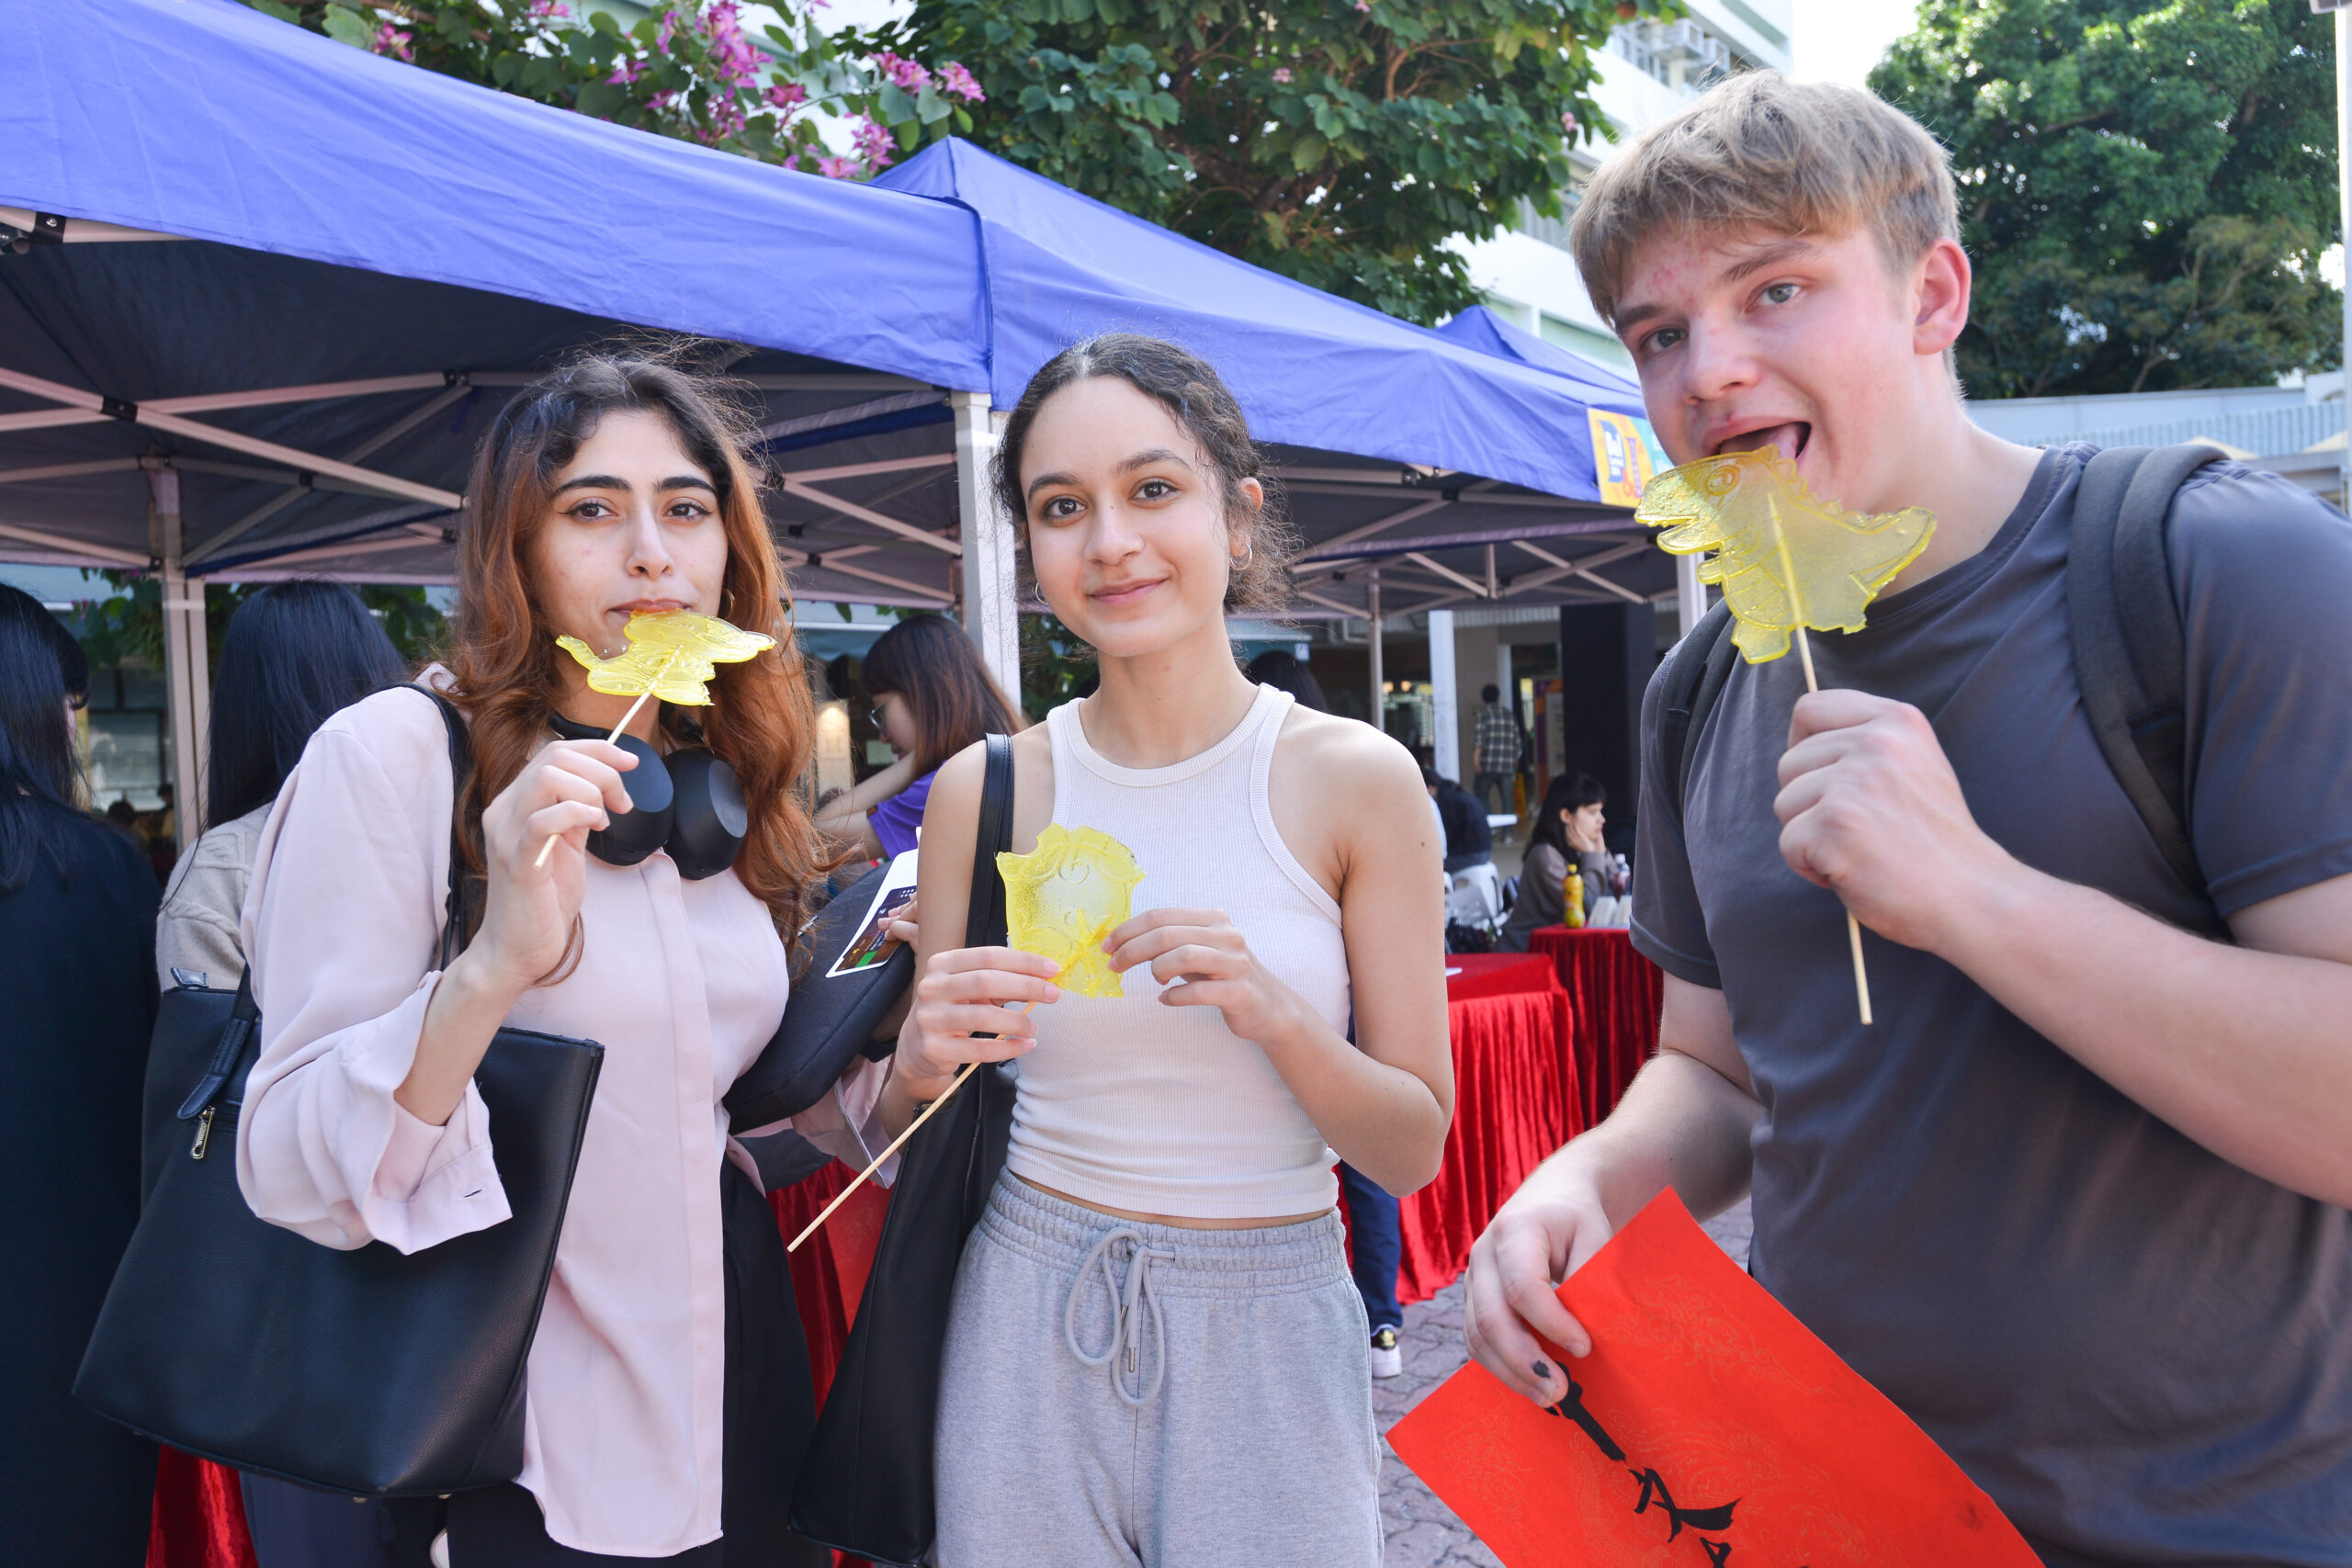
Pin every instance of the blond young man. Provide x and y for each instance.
(2076, 1200)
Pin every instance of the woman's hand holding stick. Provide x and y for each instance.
(959, 1016)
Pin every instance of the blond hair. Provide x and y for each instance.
(1762, 154)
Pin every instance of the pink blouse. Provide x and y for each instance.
(682, 982)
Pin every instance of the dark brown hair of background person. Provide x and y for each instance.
(928, 662)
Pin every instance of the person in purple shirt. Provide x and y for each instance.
(932, 698)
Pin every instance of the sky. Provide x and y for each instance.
(1840, 40)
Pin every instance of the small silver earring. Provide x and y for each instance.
(1249, 554)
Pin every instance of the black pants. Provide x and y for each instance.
(771, 1410)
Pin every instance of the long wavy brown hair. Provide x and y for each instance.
(501, 648)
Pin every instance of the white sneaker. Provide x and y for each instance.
(1388, 1360)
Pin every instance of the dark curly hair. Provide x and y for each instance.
(1196, 397)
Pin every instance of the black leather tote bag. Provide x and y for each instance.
(866, 1486)
(828, 1019)
(364, 1371)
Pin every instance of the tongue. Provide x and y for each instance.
(1784, 439)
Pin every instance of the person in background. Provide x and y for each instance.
(1496, 749)
(1375, 1220)
(294, 654)
(1566, 836)
(1468, 839)
(77, 941)
(932, 698)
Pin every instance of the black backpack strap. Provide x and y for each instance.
(2129, 658)
(1695, 671)
(984, 923)
(462, 888)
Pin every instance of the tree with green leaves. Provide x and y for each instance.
(2145, 187)
(685, 68)
(1341, 142)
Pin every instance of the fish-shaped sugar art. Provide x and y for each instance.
(671, 654)
(1784, 555)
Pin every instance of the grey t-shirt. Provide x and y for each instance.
(2141, 1351)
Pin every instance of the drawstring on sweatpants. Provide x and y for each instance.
(1127, 1299)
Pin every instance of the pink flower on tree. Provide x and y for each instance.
(958, 83)
(667, 31)
(787, 96)
(837, 168)
(548, 10)
(731, 54)
(625, 73)
(390, 41)
(1568, 121)
(1282, 74)
(875, 143)
(909, 74)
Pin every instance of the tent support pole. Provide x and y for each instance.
(991, 604)
(1372, 648)
(1690, 593)
(1445, 697)
(186, 663)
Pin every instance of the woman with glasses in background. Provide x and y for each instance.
(932, 698)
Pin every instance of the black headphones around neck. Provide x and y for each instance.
(689, 802)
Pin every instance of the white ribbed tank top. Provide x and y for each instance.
(1165, 1110)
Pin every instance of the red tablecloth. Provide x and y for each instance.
(198, 1520)
(1516, 1099)
(1615, 993)
(1473, 974)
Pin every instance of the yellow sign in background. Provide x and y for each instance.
(1625, 457)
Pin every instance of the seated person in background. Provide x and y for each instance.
(932, 698)
(1464, 815)
(1566, 832)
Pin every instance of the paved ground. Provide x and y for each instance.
(1422, 1532)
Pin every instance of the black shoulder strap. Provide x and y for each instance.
(1695, 671)
(2129, 658)
(984, 924)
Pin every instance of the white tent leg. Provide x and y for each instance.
(1690, 593)
(991, 602)
(1445, 697)
(1372, 648)
(187, 672)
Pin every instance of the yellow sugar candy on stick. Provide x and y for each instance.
(1062, 900)
(671, 655)
(1787, 561)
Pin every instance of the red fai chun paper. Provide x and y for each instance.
(1708, 1427)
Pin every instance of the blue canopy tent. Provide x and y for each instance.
(259, 292)
(1482, 329)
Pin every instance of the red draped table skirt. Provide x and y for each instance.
(1614, 994)
(1516, 1099)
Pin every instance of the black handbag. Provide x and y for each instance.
(361, 1372)
(866, 1486)
(828, 1019)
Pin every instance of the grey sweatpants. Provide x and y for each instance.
(1226, 1416)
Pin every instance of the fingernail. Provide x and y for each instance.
(1580, 1349)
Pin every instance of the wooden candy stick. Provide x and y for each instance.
(945, 1095)
(1805, 658)
(842, 1196)
(549, 848)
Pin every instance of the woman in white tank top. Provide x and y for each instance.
(1157, 1356)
